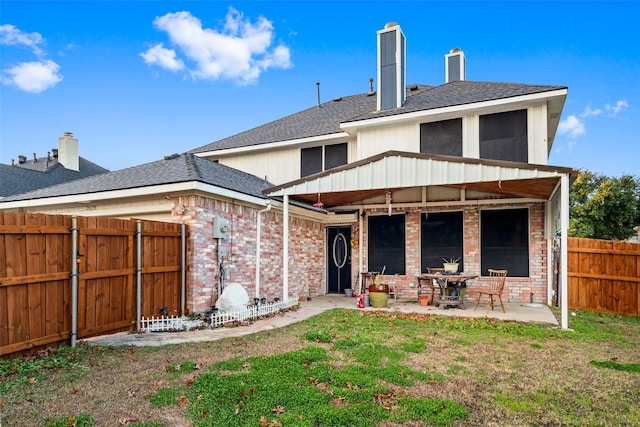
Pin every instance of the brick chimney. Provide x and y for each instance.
(68, 151)
(391, 67)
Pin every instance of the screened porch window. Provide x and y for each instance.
(387, 243)
(443, 137)
(318, 159)
(504, 241)
(441, 237)
(503, 136)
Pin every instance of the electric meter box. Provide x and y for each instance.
(220, 227)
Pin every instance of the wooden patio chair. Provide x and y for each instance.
(494, 288)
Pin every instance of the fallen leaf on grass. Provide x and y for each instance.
(33, 381)
(278, 409)
(183, 401)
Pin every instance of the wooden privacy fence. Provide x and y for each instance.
(115, 283)
(604, 276)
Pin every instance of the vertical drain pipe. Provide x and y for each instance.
(258, 233)
(138, 273)
(74, 280)
(183, 269)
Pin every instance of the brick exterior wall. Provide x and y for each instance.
(307, 262)
(306, 256)
(516, 289)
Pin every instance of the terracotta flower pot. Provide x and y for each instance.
(424, 300)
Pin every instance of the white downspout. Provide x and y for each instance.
(258, 232)
(285, 250)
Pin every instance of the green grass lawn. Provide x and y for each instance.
(346, 368)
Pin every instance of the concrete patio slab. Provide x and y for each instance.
(316, 305)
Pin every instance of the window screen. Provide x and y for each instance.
(310, 161)
(441, 237)
(335, 155)
(503, 136)
(504, 241)
(387, 243)
(444, 137)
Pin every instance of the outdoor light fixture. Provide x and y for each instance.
(318, 204)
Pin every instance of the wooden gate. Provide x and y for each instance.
(36, 276)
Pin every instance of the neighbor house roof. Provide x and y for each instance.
(172, 169)
(327, 118)
(40, 173)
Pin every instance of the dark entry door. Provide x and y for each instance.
(338, 259)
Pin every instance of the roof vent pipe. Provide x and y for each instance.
(22, 159)
(318, 92)
(35, 159)
(370, 85)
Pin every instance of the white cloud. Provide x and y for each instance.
(240, 52)
(165, 58)
(588, 112)
(33, 77)
(11, 36)
(614, 110)
(571, 126)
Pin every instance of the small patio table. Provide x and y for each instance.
(446, 282)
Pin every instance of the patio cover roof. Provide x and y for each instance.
(394, 170)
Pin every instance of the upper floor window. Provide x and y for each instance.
(444, 137)
(503, 136)
(318, 159)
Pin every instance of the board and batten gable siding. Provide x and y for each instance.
(406, 136)
(278, 166)
(376, 140)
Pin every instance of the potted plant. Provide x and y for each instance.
(450, 265)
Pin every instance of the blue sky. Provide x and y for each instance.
(138, 80)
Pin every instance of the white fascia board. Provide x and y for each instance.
(498, 104)
(273, 145)
(132, 193)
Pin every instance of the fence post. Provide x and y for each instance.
(74, 280)
(183, 268)
(138, 272)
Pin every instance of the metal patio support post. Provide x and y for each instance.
(285, 252)
(183, 268)
(564, 229)
(258, 252)
(74, 280)
(138, 272)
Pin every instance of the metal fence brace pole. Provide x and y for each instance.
(74, 280)
(183, 269)
(138, 272)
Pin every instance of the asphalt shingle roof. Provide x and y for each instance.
(41, 173)
(173, 169)
(326, 119)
